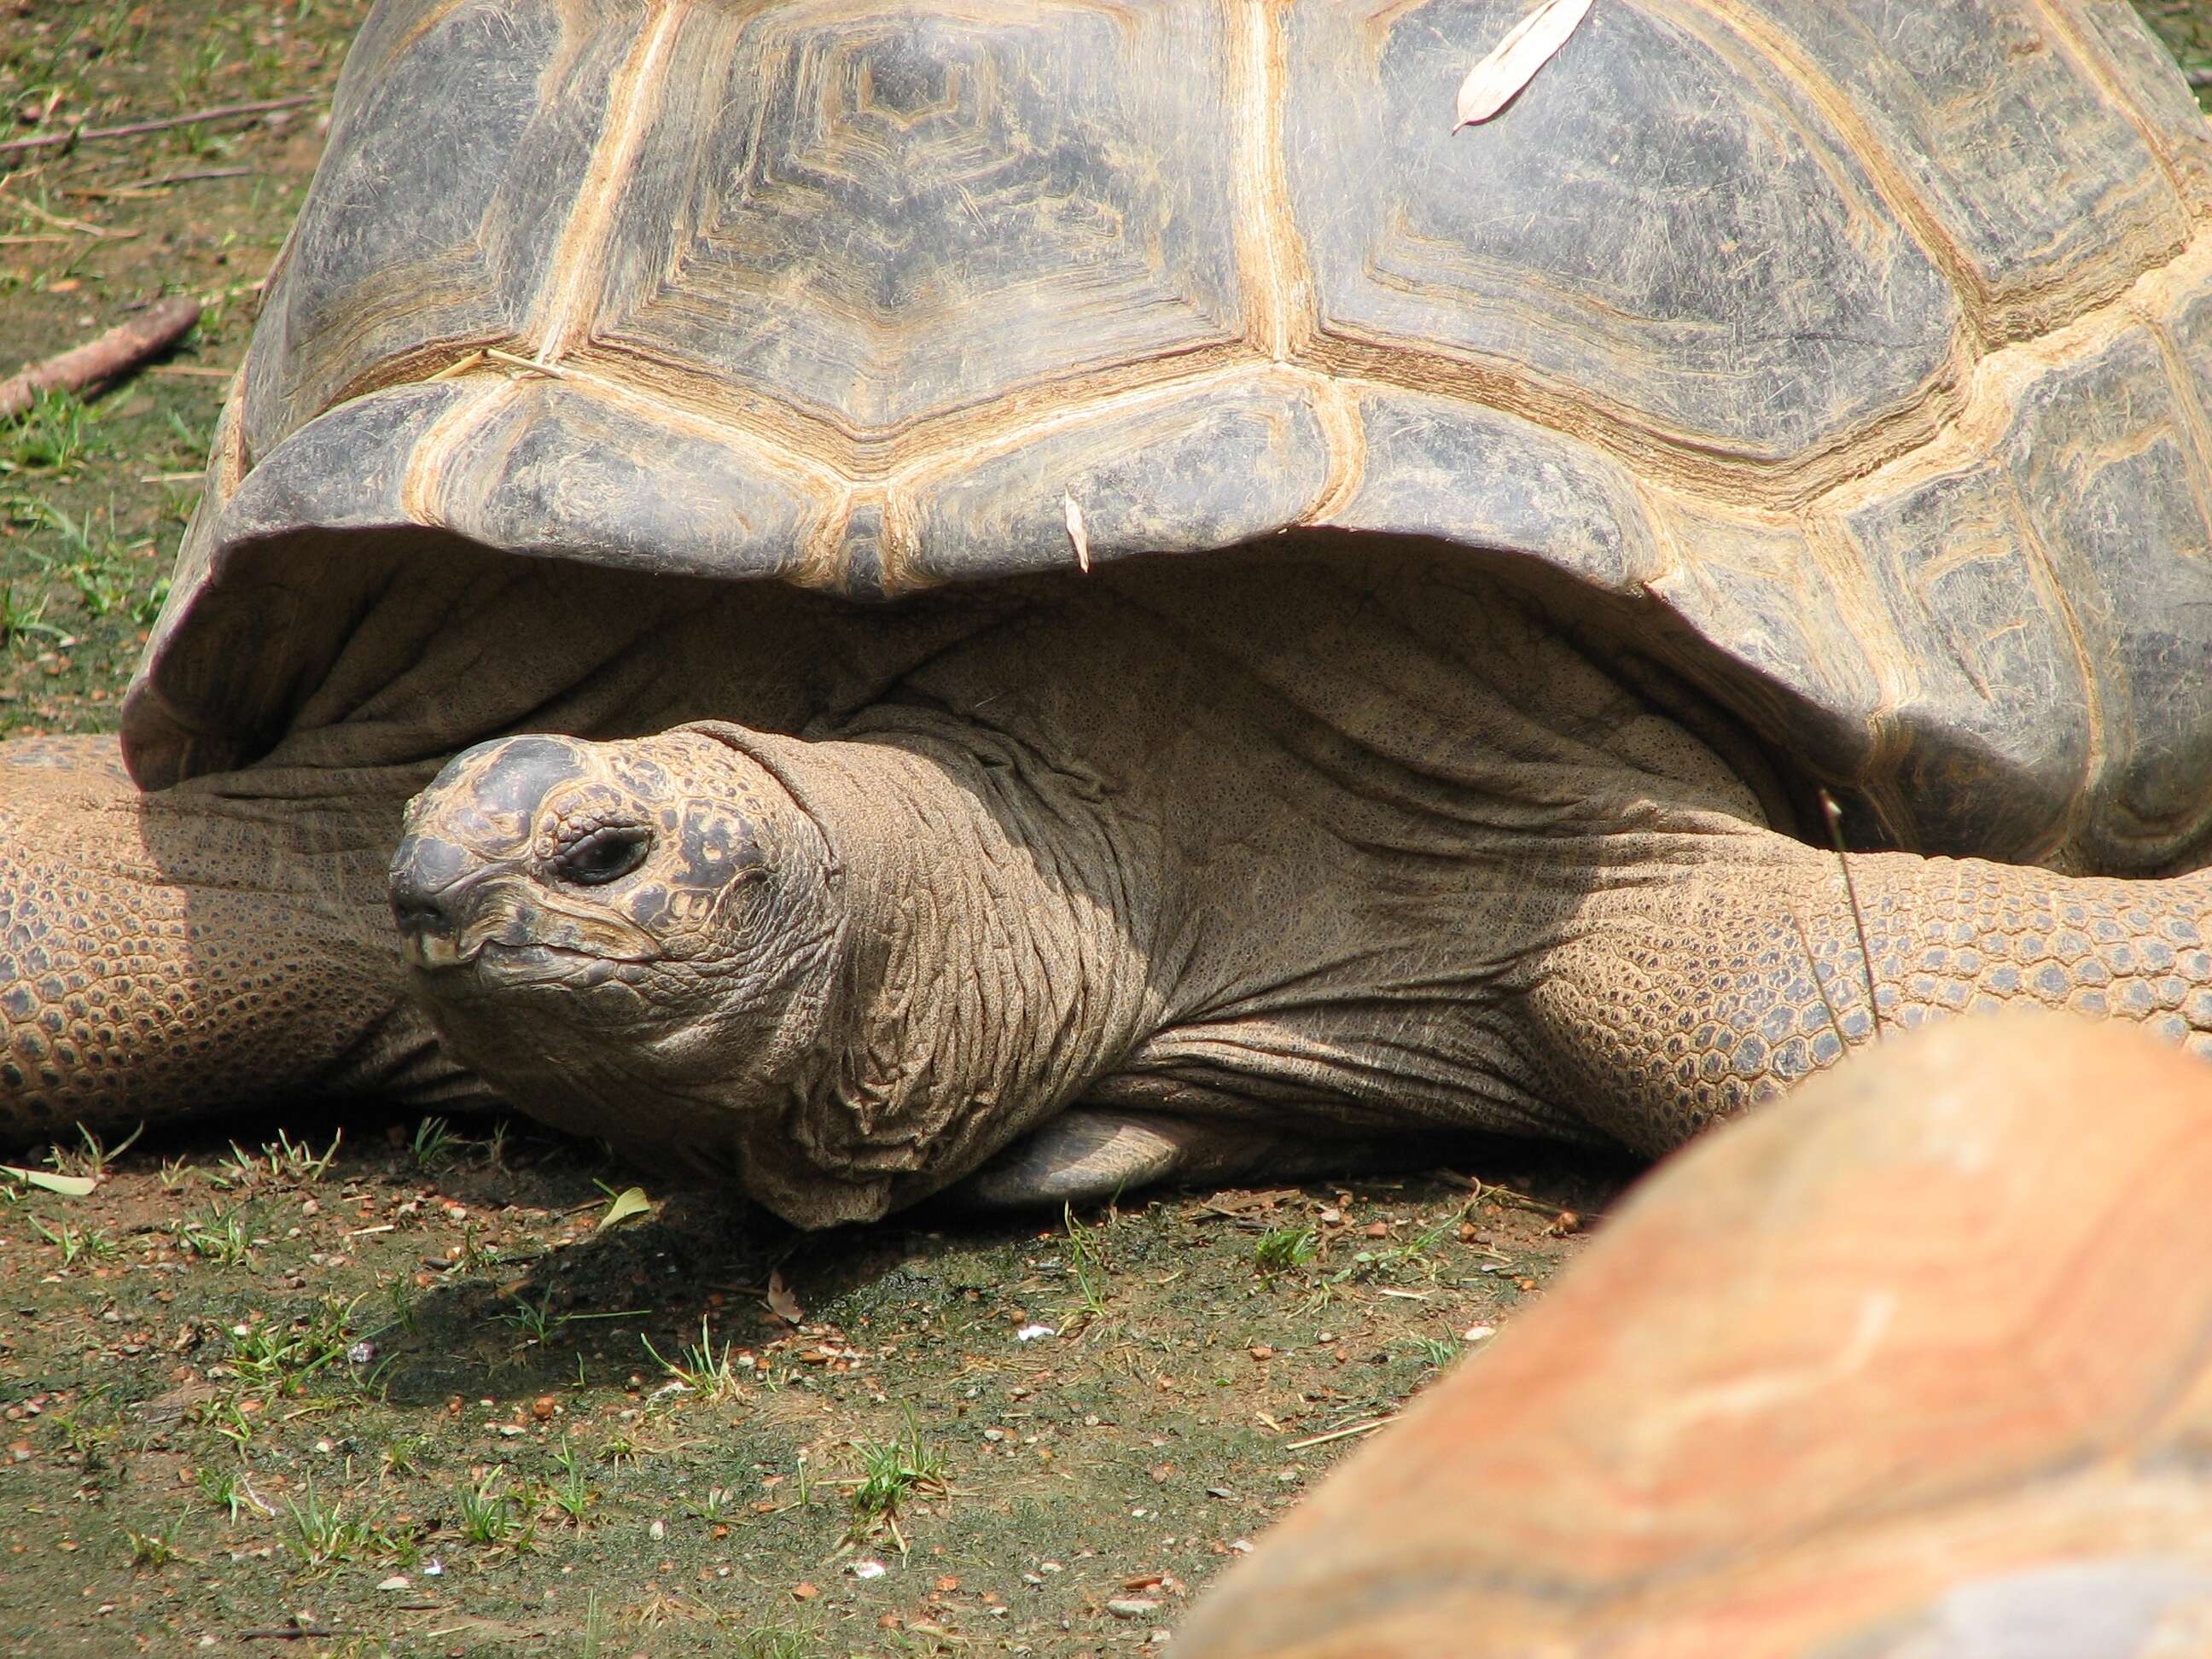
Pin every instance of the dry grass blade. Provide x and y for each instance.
(1368, 1427)
(63, 221)
(141, 189)
(1834, 814)
(1813, 967)
(1495, 81)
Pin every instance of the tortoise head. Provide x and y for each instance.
(608, 931)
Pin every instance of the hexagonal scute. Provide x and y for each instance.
(878, 216)
(462, 133)
(1671, 240)
(2040, 187)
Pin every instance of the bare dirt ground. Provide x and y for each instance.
(371, 1385)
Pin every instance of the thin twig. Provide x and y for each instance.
(131, 129)
(1834, 814)
(527, 365)
(453, 371)
(1820, 984)
(60, 221)
(1491, 1190)
(146, 186)
(1338, 1434)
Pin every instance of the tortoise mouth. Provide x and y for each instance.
(434, 953)
(488, 964)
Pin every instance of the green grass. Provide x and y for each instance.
(153, 1549)
(402, 1455)
(226, 1489)
(708, 1371)
(281, 1162)
(221, 1236)
(493, 1514)
(75, 1243)
(55, 436)
(22, 622)
(1087, 1263)
(322, 1534)
(1284, 1249)
(89, 1160)
(719, 1507)
(435, 1142)
(572, 1496)
(891, 1472)
(276, 1360)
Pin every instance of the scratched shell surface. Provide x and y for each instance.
(1849, 355)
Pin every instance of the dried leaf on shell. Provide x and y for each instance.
(1512, 63)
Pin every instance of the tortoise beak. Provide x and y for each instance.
(432, 886)
(431, 951)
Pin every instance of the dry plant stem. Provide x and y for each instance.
(146, 187)
(1813, 967)
(77, 226)
(220, 113)
(123, 347)
(1834, 814)
(1339, 1434)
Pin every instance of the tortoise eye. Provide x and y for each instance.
(603, 855)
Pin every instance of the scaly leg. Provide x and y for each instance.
(216, 945)
(1728, 966)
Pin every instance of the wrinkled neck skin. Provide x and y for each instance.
(953, 958)
(993, 963)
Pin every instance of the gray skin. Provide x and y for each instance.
(1392, 848)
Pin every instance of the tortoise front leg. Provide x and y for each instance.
(213, 947)
(1729, 966)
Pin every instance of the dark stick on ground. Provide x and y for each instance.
(131, 129)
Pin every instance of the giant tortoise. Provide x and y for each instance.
(1043, 596)
(1761, 1417)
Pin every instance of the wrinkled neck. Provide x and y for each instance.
(995, 963)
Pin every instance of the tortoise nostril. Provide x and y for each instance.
(426, 874)
(416, 916)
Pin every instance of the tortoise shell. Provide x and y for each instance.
(1845, 355)
(1913, 1362)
